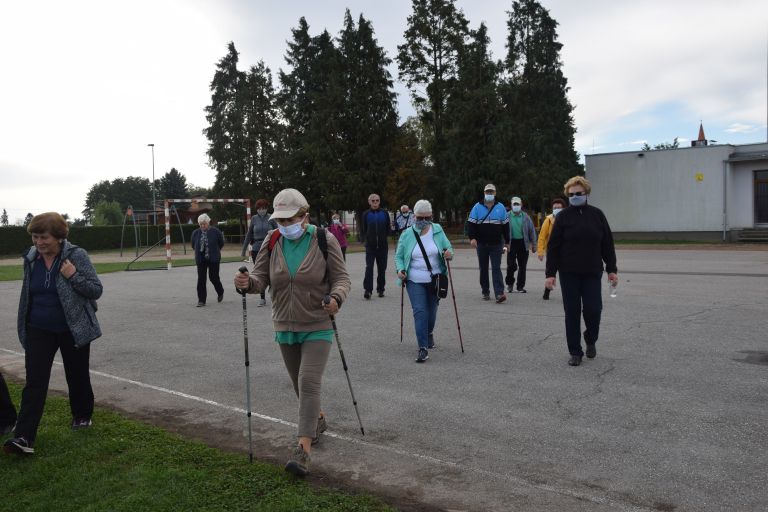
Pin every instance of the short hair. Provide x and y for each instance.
(49, 222)
(559, 200)
(372, 196)
(578, 180)
(261, 203)
(203, 218)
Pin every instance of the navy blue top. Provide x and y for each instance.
(45, 310)
(375, 227)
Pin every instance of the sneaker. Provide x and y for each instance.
(422, 356)
(500, 298)
(220, 297)
(18, 445)
(322, 426)
(200, 304)
(367, 295)
(81, 423)
(511, 289)
(591, 350)
(486, 296)
(381, 294)
(298, 464)
(262, 303)
(521, 290)
(431, 342)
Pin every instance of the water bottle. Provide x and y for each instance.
(612, 288)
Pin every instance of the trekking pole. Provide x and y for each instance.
(402, 294)
(244, 270)
(455, 311)
(327, 300)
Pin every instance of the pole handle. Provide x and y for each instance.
(242, 270)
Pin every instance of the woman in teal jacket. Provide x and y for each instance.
(412, 269)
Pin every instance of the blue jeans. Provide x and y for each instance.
(581, 293)
(424, 303)
(492, 252)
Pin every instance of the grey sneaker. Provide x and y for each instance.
(422, 356)
(81, 423)
(486, 296)
(322, 426)
(298, 464)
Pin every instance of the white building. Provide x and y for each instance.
(717, 192)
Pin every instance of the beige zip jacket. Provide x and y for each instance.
(297, 302)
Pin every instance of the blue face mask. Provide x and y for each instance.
(490, 197)
(291, 232)
(516, 208)
(577, 200)
(421, 224)
(555, 211)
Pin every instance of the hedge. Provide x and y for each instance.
(14, 240)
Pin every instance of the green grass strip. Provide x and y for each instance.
(119, 464)
(16, 272)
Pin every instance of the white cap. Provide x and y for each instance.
(516, 200)
(490, 186)
(287, 203)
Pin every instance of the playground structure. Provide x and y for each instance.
(167, 206)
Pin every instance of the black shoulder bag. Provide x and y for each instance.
(439, 281)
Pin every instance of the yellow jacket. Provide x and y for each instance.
(546, 230)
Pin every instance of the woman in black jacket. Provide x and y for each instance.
(581, 241)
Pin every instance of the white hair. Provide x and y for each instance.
(203, 218)
(422, 207)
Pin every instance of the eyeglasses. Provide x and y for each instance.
(374, 200)
(423, 218)
(490, 191)
(571, 194)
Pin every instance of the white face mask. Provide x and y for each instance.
(490, 197)
(555, 211)
(516, 208)
(292, 231)
(336, 221)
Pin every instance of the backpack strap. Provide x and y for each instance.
(322, 242)
(273, 238)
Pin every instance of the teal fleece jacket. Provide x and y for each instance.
(407, 242)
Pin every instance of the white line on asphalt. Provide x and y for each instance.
(603, 500)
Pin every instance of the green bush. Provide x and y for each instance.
(14, 239)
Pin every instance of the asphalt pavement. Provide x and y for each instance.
(671, 415)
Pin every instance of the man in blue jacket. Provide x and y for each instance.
(375, 227)
(488, 231)
(207, 242)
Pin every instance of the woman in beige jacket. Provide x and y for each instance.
(299, 276)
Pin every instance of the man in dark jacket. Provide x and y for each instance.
(207, 242)
(375, 227)
(488, 231)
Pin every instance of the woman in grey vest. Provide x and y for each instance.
(260, 226)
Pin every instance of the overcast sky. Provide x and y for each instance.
(86, 85)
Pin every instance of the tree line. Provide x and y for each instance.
(330, 126)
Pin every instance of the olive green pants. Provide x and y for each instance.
(305, 363)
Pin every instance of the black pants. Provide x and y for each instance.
(7, 410)
(517, 260)
(38, 359)
(581, 293)
(212, 269)
(380, 256)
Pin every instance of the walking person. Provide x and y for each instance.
(375, 228)
(299, 275)
(340, 231)
(403, 219)
(580, 243)
(546, 230)
(488, 232)
(522, 239)
(57, 312)
(258, 229)
(7, 410)
(207, 242)
(421, 253)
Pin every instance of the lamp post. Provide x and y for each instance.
(154, 212)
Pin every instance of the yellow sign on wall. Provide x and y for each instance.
(699, 176)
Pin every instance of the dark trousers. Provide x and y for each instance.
(38, 359)
(212, 269)
(379, 255)
(493, 253)
(7, 410)
(517, 261)
(581, 294)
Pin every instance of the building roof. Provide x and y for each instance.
(747, 157)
